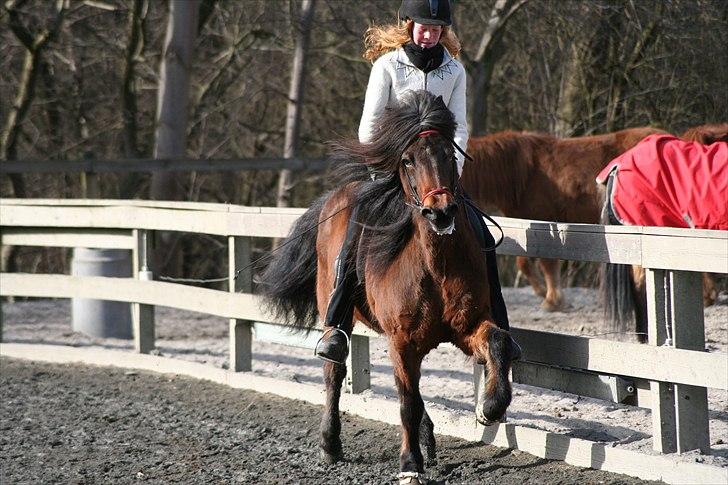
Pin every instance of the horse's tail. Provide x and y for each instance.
(618, 291)
(289, 282)
(621, 309)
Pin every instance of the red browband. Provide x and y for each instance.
(425, 133)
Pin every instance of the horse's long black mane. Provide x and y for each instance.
(381, 202)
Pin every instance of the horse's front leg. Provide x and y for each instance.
(525, 266)
(427, 439)
(331, 450)
(406, 363)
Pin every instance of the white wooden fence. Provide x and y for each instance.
(671, 380)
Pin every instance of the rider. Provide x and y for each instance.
(417, 53)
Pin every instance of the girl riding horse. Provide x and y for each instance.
(421, 277)
(416, 54)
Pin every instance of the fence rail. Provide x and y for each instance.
(156, 165)
(671, 380)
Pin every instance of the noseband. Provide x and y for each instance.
(437, 191)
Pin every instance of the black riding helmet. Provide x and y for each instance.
(426, 12)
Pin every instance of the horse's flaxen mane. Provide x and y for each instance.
(381, 202)
(501, 165)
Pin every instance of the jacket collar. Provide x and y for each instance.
(403, 59)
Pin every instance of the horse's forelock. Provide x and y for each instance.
(400, 125)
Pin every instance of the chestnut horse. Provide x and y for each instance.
(538, 176)
(663, 181)
(421, 271)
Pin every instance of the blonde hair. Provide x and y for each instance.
(380, 40)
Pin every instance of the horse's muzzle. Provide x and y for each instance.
(442, 220)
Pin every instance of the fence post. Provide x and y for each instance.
(664, 434)
(688, 332)
(142, 315)
(241, 337)
(358, 367)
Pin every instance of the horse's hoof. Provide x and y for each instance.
(412, 478)
(489, 422)
(331, 458)
(552, 306)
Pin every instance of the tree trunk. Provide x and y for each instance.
(295, 99)
(32, 65)
(628, 62)
(569, 109)
(134, 50)
(172, 99)
(481, 66)
(171, 126)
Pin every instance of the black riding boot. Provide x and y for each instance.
(487, 242)
(334, 344)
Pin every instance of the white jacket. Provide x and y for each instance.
(393, 74)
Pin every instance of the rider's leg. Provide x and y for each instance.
(487, 243)
(338, 321)
(498, 305)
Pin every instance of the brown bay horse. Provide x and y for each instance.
(421, 271)
(538, 176)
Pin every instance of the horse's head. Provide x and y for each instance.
(428, 174)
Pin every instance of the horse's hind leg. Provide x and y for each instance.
(427, 439)
(330, 442)
(551, 268)
(710, 292)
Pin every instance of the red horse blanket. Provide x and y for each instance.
(664, 181)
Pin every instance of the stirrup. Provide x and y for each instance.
(323, 336)
(405, 478)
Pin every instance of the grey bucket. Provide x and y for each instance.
(101, 318)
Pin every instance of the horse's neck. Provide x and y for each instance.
(498, 173)
(438, 253)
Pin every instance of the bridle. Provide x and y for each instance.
(419, 202)
(458, 193)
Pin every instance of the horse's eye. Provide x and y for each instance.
(409, 163)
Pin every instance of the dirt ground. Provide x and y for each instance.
(447, 374)
(84, 424)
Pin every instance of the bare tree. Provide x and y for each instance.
(130, 113)
(172, 98)
(34, 44)
(481, 65)
(295, 98)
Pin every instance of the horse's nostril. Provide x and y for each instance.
(451, 209)
(428, 213)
